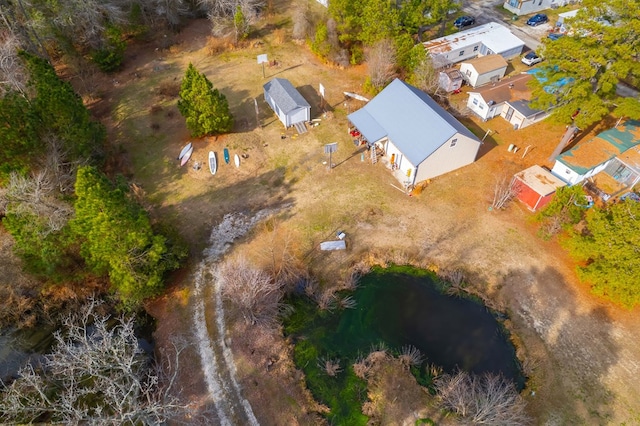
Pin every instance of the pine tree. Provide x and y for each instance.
(610, 251)
(584, 67)
(205, 109)
(117, 239)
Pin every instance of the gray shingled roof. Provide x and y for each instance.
(285, 95)
(416, 124)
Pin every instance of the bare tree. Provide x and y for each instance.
(96, 374)
(85, 21)
(301, 22)
(252, 290)
(13, 75)
(503, 192)
(171, 11)
(486, 399)
(35, 195)
(381, 61)
(221, 13)
(426, 75)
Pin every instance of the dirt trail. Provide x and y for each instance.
(208, 320)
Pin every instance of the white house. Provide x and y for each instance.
(487, 39)
(419, 138)
(484, 69)
(526, 7)
(288, 104)
(615, 151)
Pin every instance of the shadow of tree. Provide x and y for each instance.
(570, 342)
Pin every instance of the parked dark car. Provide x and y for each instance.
(538, 19)
(464, 21)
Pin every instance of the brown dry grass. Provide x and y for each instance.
(447, 226)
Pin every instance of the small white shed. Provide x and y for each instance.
(450, 80)
(288, 104)
(483, 70)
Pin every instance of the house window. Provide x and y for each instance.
(514, 3)
(453, 143)
(481, 106)
(461, 53)
(567, 171)
(475, 49)
(475, 101)
(468, 73)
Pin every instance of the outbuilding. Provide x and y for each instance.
(420, 140)
(288, 104)
(484, 69)
(487, 39)
(536, 186)
(450, 80)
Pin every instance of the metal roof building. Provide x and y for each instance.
(424, 139)
(286, 102)
(484, 39)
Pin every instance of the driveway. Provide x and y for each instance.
(485, 11)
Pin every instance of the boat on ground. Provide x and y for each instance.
(236, 160)
(184, 150)
(226, 155)
(213, 163)
(186, 156)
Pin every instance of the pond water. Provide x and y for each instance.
(397, 306)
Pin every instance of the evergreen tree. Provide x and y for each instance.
(600, 50)
(609, 249)
(18, 135)
(60, 110)
(205, 109)
(117, 239)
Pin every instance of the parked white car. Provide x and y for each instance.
(531, 59)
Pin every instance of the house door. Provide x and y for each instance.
(509, 114)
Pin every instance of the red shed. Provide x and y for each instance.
(535, 186)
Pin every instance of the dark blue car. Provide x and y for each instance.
(464, 21)
(538, 19)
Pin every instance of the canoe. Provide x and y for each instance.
(213, 164)
(184, 151)
(226, 155)
(186, 156)
(236, 160)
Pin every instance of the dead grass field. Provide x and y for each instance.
(585, 352)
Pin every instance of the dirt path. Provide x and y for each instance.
(209, 323)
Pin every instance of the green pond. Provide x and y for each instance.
(397, 306)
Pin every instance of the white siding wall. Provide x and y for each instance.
(486, 77)
(469, 73)
(448, 158)
(525, 7)
(475, 80)
(477, 104)
(461, 54)
(572, 177)
(298, 115)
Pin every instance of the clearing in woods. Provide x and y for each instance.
(583, 355)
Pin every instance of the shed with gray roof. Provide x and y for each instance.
(419, 138)
(288, 104)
